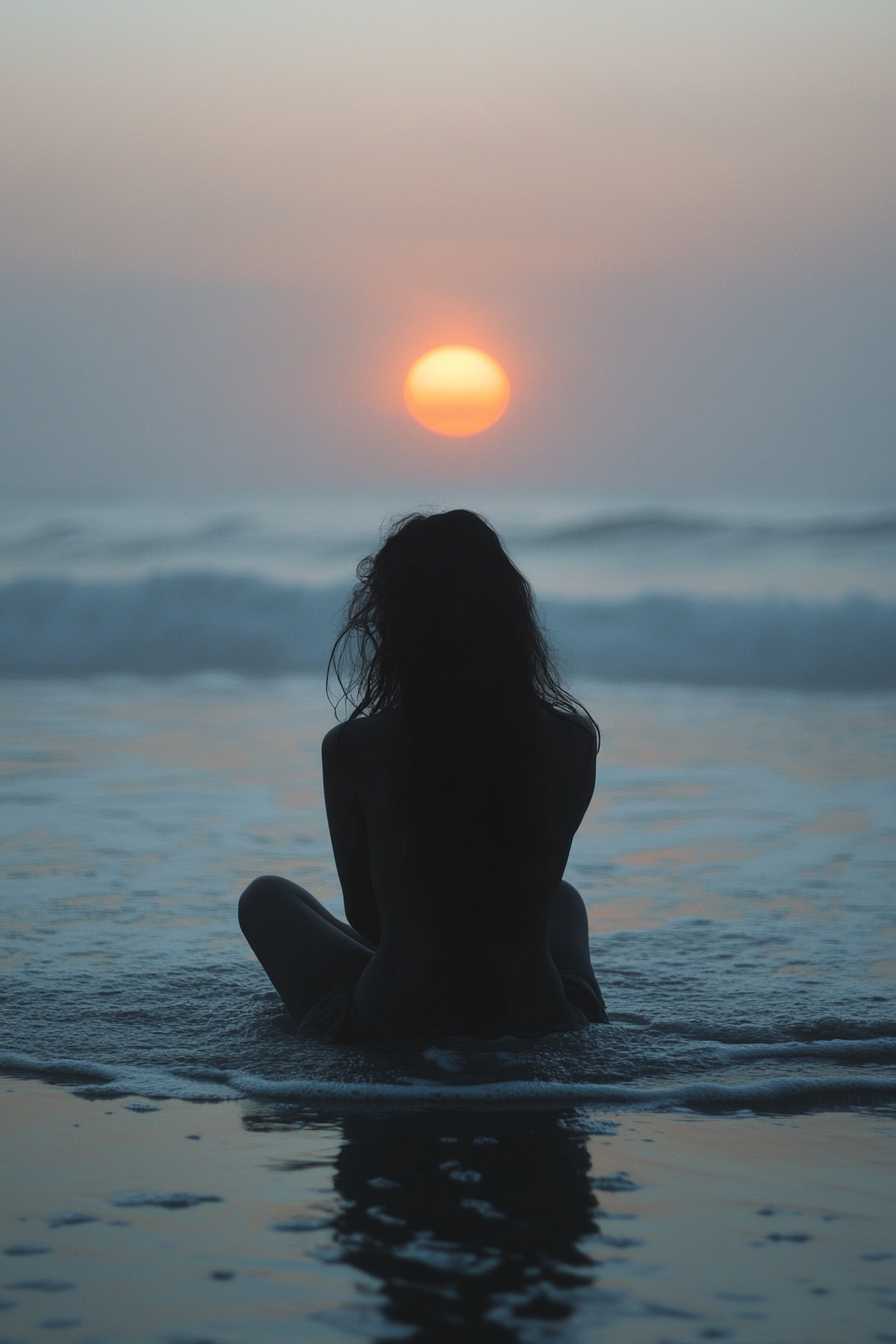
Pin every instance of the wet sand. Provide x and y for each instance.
(131, 1220)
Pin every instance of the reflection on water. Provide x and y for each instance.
(471, 1223)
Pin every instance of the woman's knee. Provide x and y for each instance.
(252, 902)
(569, 907)
(259, 901)
(267, 899)
(568, 932)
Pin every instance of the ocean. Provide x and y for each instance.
(697, 596)
(163, 702)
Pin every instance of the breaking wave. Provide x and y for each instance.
(179, 623)
(848, 645)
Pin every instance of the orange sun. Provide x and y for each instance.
(456, 390)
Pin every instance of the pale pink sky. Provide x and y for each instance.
(673, 221)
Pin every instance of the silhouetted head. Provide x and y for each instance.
(442, 617)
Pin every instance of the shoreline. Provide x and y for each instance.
(786, 1094)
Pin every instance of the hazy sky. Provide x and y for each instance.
(227, 228)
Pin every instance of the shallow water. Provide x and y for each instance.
(738, 864)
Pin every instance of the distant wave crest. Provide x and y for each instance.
(179, 623)
(670, 525)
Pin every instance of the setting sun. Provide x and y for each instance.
(456, 390)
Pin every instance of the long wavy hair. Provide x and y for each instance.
(442, 627)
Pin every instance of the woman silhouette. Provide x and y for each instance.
(453, 792)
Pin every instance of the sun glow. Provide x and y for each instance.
(456, 390)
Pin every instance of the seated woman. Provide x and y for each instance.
(453, 792)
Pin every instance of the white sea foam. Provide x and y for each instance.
(178, 623)
(776, 1093)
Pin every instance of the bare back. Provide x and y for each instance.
(400, 985)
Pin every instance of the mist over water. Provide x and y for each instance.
(570, 545)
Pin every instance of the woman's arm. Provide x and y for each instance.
(571, 755)
(589, 752)
(348, 836)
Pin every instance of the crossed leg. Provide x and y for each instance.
(568, 934)
(301, 946)
(304, 949)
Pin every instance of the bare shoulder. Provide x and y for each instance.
(357, 738)
(570, 729)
